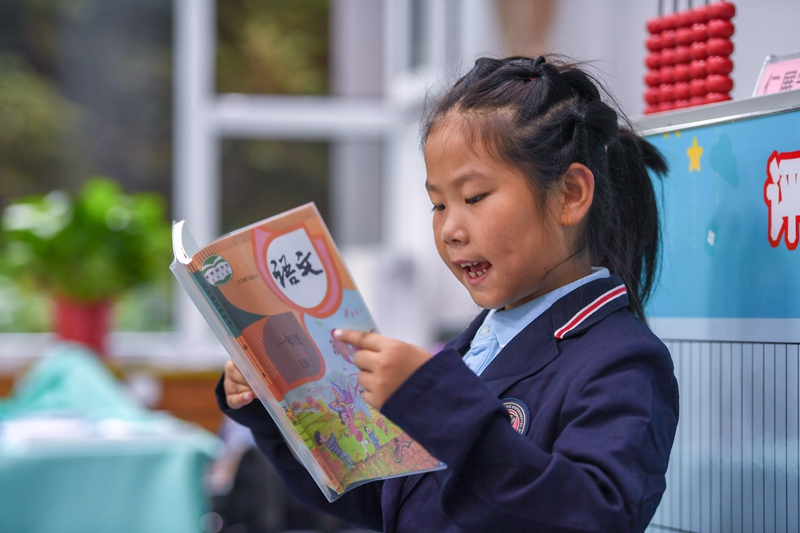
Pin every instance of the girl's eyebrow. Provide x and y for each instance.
(468, 176)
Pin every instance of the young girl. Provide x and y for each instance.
(544, 210)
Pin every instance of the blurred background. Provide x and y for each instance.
(232, 111)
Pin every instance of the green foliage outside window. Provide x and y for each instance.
(272, 46)
(35, 119)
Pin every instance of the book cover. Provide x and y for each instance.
(273, 292)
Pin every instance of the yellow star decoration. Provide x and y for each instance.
(694, 152)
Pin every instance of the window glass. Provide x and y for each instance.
(272, 46)
(264, 178)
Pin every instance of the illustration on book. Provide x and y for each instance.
(273, 292)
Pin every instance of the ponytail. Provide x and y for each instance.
(541, 116)
(633, 236)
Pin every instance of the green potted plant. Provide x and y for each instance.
(86, 252)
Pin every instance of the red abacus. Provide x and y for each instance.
(689, 57)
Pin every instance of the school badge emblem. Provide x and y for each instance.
(519, 414)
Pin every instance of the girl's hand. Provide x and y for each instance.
(385, 363)
(237, 392)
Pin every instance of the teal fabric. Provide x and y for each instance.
(70, 379)
(148, 479)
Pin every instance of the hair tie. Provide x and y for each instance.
(532, 78)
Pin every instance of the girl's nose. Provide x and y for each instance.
(453, 231)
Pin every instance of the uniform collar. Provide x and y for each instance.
(587, 305)
(507, 324)
(568, 317)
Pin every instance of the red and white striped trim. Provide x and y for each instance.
(590, 309)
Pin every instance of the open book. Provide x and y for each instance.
(273, 292)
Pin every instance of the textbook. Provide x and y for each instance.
(273, 292)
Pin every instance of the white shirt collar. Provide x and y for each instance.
(507, 323)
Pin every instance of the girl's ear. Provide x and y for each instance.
(577, 192)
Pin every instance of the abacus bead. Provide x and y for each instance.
(654, 43)
(682, 54)
(682, 72)
(654, 25)
(697, 68)
(652, 96)
(717, 83)
(699, 32)
(719, 65)
(697, 100)
(653, 60)
(697, 87)
(722, 10)
(717, 46)
(712, 98)
(682, 91)
(700, 14)
(698, 50)
(652, 78)
(719, 28)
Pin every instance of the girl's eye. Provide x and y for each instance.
(475, 199)
(438, 207)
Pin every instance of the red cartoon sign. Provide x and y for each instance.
(782, 196)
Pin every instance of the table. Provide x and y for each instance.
(78, 454)
(143, 484)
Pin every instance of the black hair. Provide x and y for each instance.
(541, 116)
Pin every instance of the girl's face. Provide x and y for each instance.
(504, 244)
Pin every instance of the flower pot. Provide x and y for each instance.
(84, 322)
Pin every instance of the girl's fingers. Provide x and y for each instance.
(232, 372)
(359, 339)
(370, 399)
(365, 360)
(237, 392)
(365, 381)
(237, 401)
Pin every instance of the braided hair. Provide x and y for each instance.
(543, 115)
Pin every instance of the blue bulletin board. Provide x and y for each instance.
(730, 208)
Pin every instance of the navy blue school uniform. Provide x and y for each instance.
(568, 429)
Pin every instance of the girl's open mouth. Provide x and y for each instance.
(476, 269)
